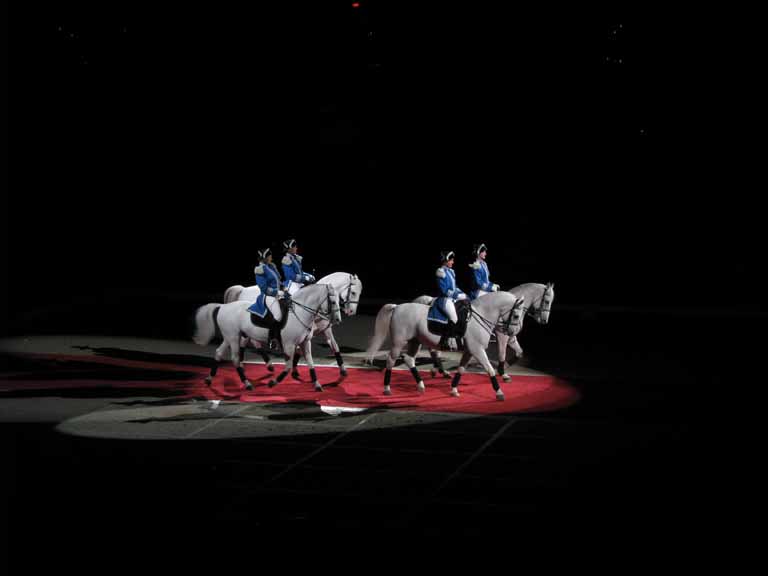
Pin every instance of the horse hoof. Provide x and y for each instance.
(270, 368)
(318, 387)
(272, 383)
(500, 396)
(208, 380)
(343, 373)
(295, 375)
(506, 377)
(421, 388)
(455, 392)
(446, 374)
(387, 392)
(248, 385)
(432, 373)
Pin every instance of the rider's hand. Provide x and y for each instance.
(495, 288)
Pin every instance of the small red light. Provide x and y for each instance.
(355, 4)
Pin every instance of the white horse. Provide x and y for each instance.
(541, 297)
(233, 321)
(349, 288)
(407, 325)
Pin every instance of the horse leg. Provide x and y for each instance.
(394, 353)
(514, 343)
(295, 371)
(336, 351)
(220, 351)
(483, 358)
(410, 361)
(289, 351)
(437, 365)
(264, 356)
(235, 346)
(465, 356)
(501, 343)
(306, 347)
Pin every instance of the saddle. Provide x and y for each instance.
(442, 327)
(268, 321)
(275, 328)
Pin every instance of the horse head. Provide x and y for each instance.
(333, 309)
(350, 294)
(545, 303)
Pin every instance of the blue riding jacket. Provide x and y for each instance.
(480, 278)
(446, 285)
(268, 279)
(293, 272)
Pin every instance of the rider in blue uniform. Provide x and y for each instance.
(449, 292)
(481, 283)
(295, 277)
(268, 280)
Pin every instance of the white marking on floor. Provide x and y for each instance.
(212, 424)
(477, 453)
(328, 444)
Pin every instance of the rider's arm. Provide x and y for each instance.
(444, 284)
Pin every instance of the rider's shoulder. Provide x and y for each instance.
(440, 273)
(287, 260)
(475, 265)
(259, 269)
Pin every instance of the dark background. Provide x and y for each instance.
(156, 148)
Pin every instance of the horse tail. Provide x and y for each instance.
(206, 324)
(232, 293)
(383, 319)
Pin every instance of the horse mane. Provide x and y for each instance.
(328, 278)
(308, 290)
(341, 278)
(482, 303)
(524, 287)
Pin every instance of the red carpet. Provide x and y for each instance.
(361, 389)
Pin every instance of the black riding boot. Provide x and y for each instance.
(443, 345)
(450, 331)
(274, 340)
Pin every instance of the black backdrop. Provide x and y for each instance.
(155, 149)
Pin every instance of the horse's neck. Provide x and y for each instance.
(310, 296)
(491, 304)
(531, 292)
(533, 295)
(338, 280)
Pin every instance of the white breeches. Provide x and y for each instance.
(450, 310)
(274, 307)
